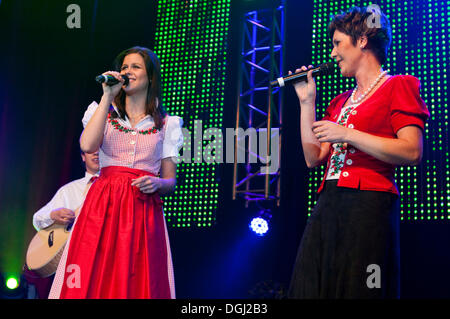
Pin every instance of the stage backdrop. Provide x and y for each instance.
(191, 42)
(47, 82)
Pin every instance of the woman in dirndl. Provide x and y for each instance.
(119, 245)
(350, 247)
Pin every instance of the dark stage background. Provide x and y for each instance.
(46, 83)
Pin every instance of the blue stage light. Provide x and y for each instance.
(259, 226)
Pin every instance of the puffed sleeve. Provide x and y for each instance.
(173, 137)
(89, 112)
(407, 107)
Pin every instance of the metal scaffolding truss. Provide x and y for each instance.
(259, 107)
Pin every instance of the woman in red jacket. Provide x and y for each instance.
(350, 246)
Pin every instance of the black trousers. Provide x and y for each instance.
(350, 247)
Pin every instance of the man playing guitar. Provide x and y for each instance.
(61, 210)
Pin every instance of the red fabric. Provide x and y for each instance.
(118, 241)
(395, 104)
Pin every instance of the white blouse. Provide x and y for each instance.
(133, 149)
(69, 196)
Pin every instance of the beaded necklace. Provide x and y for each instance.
(352, 97)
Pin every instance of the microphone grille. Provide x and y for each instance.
(100, 78)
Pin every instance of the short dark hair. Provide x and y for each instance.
(355, 23)
(154, 104)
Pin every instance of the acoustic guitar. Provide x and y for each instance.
(45, 249)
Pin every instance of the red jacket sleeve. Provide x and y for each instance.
(407, 107)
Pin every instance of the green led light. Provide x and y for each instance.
(191, 43)
(12, 283)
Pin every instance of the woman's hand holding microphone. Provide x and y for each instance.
(324, 131)
(111, 91)
(306, 90)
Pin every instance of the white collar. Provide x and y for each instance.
(88, 176)
(127, 121)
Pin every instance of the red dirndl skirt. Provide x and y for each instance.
(118, 244)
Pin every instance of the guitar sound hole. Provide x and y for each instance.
(69, 227)
(50, 239)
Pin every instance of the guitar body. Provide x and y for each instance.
(46, 248)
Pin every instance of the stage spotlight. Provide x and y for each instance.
(12, 287)
(260, 224)
(12, 283)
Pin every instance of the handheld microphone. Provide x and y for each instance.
(322, 69)
(110, 80)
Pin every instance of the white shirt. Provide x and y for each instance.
(69, 196)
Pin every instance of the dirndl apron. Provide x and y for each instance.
(117, 248)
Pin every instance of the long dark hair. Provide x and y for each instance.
(153, 105)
